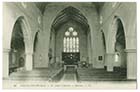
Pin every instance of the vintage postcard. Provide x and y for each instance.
(69, 45)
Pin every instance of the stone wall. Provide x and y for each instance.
(35, 22)
(89, 11)
(30, 15)
(126, 12)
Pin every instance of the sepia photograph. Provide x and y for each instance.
(69, 45)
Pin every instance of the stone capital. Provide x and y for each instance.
(110, 53)
(130, 50)
(6, 50)
(29, 53)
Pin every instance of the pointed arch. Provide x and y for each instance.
(70, 13)
(117, 22)
(21, 43)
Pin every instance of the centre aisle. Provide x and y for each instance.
(69, 75)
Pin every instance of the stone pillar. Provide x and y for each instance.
(6, 63)
(109, 60)
(65, 67)
(131, 63)
(29, 61)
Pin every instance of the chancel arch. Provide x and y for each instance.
(71, 29)
(77, 13)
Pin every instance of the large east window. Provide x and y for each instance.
(71, 41)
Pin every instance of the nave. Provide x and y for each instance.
(69, 42)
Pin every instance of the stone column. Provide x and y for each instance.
(29, 61)
(131, 63)
(109, 60)
(6, 63)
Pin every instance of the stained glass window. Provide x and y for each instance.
(71, 41)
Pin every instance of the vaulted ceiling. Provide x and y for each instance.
(42, 5)
(69, 14)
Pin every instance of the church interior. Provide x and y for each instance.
(69, 41)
